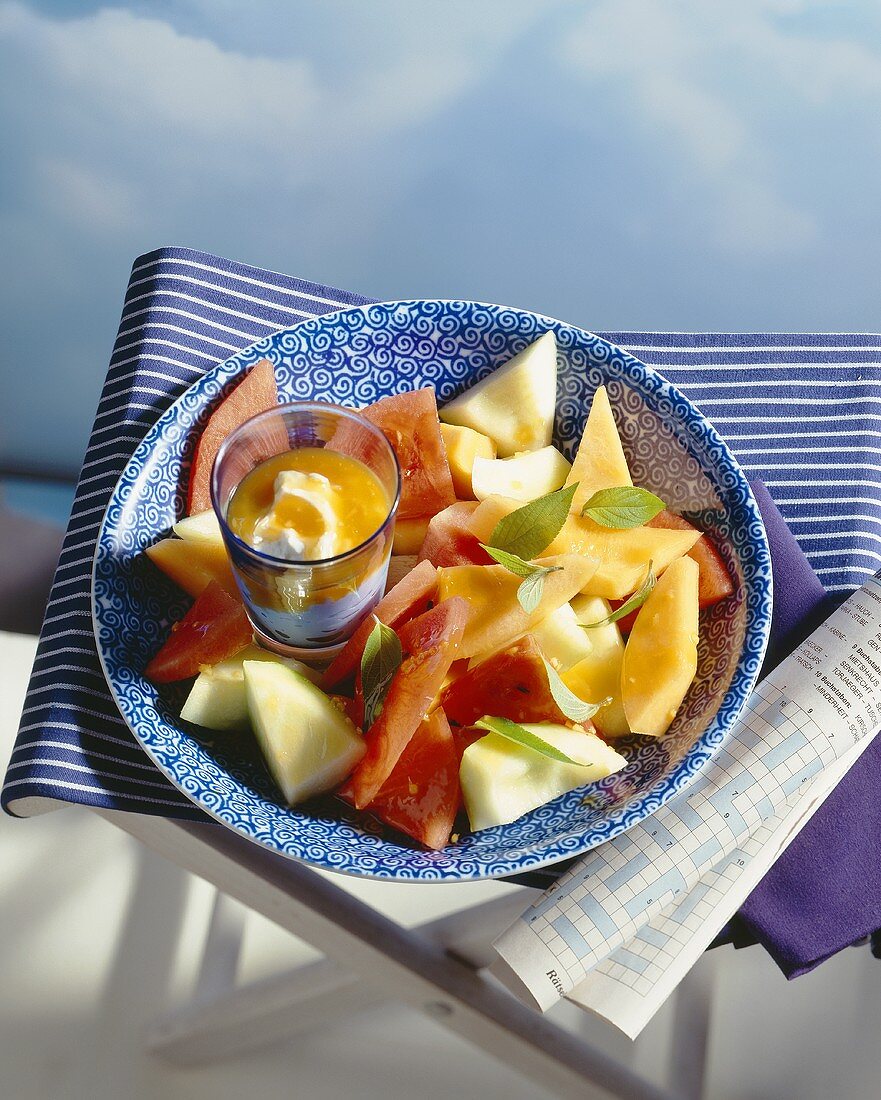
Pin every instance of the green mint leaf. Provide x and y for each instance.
(575, 709)
(504, 727)
(379, 663)
(636, 600)
(623, 508)
(511, 562)
(532, 528)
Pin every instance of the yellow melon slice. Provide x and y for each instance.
(600, 461)
(488, 513)
(464, 445)
(660, 658)
(410, 534)
(193, 565)
(622, 556)
(598, 674)
(491, 591)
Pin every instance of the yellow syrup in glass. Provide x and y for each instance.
(308, 504)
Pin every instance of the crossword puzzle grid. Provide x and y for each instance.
(648, 955)
(776, 747)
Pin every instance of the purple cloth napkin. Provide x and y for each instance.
(824, 892)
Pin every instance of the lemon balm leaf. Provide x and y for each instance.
(504, 727)
(530, 591)
(530, 529)
(380, 661)
(575, 709)
(636, 600)
(511, 562)
(623, 507)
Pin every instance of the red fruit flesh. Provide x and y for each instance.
(409, 596)
(421, 796)
(714, 582)
(431, 627)
(254, 394)
(410, 423)
(214, 628)
(449, 540)
(411, 694)
(512, 684)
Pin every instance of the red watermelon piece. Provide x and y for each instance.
(512, 684)
(714, 582)
(412, 691)
(254, 394)
(450, 541)
(214, 628)
(410, 595)
(410, 423)
(421, 796)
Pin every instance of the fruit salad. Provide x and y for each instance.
(538, 616)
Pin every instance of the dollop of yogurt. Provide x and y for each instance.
(298, 493)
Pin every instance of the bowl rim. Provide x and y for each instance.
(685, 770)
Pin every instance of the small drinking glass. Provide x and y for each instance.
(307, 608)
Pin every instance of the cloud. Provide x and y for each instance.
(123, 131)
(688, 164)
(664, 60)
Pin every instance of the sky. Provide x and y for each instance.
(620, 164)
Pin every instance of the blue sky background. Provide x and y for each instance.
(690, 164)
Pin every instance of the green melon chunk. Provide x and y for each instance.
(502, 780)
(217, 699)
(514, 405)
(309, 744)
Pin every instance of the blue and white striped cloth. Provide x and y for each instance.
(801, 412)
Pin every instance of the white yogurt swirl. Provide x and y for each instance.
(275, 537)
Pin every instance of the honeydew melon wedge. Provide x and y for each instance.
(514, 405)
(562, 639)
(598, 674)
(660, 658)
(600, 461)
(309, 744)
(203, 527)
(218, 700)
(523, 477)
(502, 780)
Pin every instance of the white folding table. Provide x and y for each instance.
(184, 312)
(437, 968)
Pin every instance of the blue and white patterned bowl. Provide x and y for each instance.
(355, 357)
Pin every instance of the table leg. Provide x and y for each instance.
(400, 964)
(224, 1020)
(692, 1017)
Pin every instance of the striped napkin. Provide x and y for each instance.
(801, 413)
